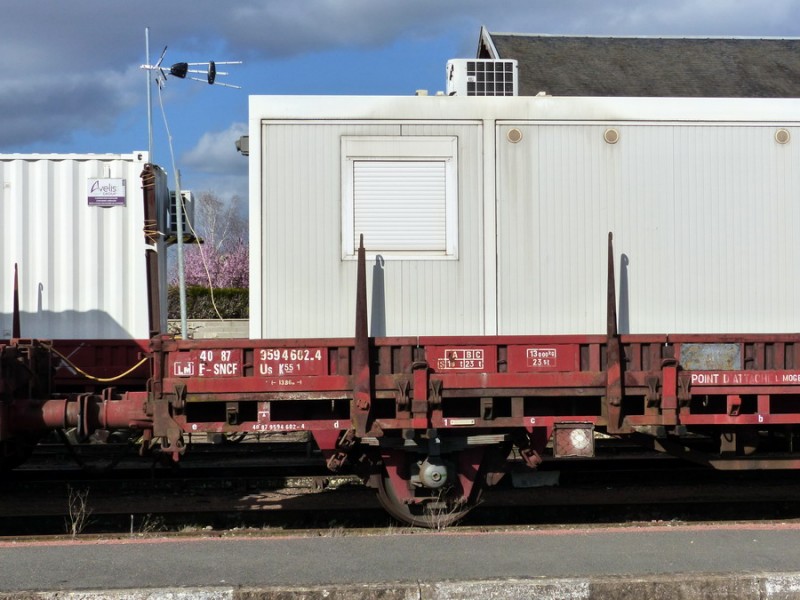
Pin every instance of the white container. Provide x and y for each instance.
(702, 196)
(79, 249)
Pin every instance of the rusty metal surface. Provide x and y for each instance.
(614, 369)
(711, 357)
(153, 182)
(361, 403)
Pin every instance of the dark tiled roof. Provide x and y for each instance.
(620, 66)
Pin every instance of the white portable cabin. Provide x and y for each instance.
(486, 216)
(73, 225)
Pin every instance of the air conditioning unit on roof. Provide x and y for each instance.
(481, 77)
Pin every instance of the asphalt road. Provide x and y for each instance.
(399, 556)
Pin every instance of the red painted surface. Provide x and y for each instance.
(440, 390)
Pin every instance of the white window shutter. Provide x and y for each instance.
(400, 205)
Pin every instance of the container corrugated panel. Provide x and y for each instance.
(700, 194)
(81, 267)
(308, 289)
(703, 218)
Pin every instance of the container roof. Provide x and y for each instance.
(650, 66)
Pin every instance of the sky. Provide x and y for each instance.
(72, 82)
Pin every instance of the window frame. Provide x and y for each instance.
(399, 148)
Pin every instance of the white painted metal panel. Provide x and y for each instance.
(81, 267)
(437, 109)
(699, 214)
(306, 288)
(699, 194)
(737, 205)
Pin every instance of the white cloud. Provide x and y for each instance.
(215, 164)
(215, 152)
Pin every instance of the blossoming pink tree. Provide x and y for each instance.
(222, 260)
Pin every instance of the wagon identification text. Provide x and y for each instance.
(461, 359)
(278, 426)
(541, 357)
(208, 363)
(532, 359)
(452, 359)
(290, 362)
(745, 378)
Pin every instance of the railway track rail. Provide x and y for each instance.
(248, 488)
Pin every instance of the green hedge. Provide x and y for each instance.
(233, 303)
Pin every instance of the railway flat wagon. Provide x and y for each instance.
(441, 283)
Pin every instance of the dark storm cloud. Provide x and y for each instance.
(74, 65)
(45, 108)
(86, 34)
(283, 29)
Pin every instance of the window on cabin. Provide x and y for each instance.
(400, 193)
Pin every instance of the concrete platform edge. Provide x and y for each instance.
(762, 586)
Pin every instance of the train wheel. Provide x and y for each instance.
(431, 493)
(433, 513)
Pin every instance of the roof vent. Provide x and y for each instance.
(480, 77)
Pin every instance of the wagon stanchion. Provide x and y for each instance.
(614, 355)
(15, 319)
(362, 374)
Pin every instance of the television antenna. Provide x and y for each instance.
(181, 70)
(184, 70)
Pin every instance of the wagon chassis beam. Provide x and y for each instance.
(675, 448)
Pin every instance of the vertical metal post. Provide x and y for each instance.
(16, 332)
(149, 96)
(153, 251)
(362, 376)
(156, 272)
(614, 357)
(178, 199)
(179, 229)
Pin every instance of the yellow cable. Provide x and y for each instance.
(99, 379)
